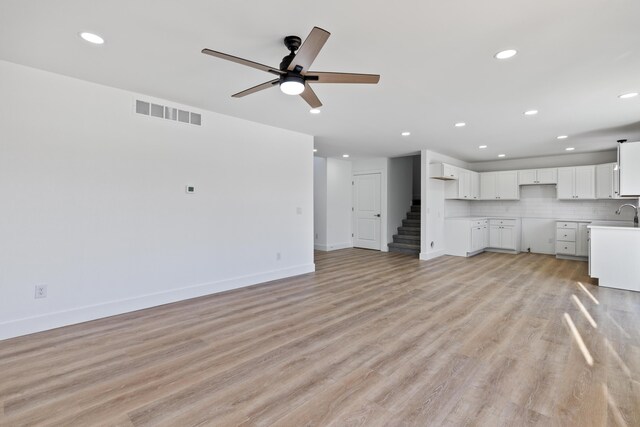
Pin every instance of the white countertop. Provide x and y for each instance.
(614, 225)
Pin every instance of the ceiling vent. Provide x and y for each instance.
(170, 113)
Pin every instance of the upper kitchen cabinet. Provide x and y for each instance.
(466, 187)
(538, 176)
(629, 155)
(577, 183)
(499, 185)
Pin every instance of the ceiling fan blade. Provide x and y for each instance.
(309, 49)
(257, 88)
(310, 96)
(320, 77)
(242, 61)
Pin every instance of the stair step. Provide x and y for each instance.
(415, 208)
(404, 248)
(411, 223)
(413, 215)
(409, 231)
(416, 202)
(406, 238)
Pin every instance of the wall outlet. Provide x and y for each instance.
(278, 256)
(41, 291)
(299, 211)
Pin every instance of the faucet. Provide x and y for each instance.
(636, 208)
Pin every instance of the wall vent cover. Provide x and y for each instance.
(166, 112)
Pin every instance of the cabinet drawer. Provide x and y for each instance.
(573, 225)
(566, 248)
(503, 222)
(478, 223)
(565, 235)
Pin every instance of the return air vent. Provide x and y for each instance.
(165, 112)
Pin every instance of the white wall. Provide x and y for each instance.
(320, 203)
(339, 203)
(376, 165)
(417, 182)
(94, 203)
(578, 159)
(433, 205)
(399, 193)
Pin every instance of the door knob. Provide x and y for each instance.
(378, 215)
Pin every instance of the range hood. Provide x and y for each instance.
(443, 172)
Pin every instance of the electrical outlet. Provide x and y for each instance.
(41, 291)
(299, 211)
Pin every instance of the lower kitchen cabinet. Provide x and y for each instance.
(504, 234)
(572, 239)
(470, 236)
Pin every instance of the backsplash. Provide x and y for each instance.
(539, 201)
(454, 208)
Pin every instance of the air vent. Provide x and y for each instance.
(165, 112)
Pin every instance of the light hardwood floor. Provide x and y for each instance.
(369, 339)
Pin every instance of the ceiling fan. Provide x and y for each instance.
(294, 75)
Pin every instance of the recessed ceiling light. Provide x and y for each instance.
(628, 95)
(562, 137)
(315, 150)
(501, 155)
(315, 111)
(405, 133)
(345, 155)
(569, 148)
(460, 124)
(482, 146)
(92, 38)
(506, 54)
(531, 112)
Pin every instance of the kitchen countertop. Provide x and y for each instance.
(614, 225)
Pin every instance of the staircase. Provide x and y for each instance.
(407, 241)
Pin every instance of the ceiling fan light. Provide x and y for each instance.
(292, 85)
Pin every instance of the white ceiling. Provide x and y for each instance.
(435, 58)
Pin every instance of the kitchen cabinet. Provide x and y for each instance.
(572, 239)
(466, 187)
(466, 236)
(608, 182)
(538, 176)
(629, 159)
(499, 185)
(576, 183)
(503, 234)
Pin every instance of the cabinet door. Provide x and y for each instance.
(476, 239)
(485, 236)
(508, 188)
(494, 237)
(527, 177)
(547, 176)
(475, 185)
(604, 181)
(488, 185)
(582, 248)
(585, 182)
(464, 180)
(565, 183)
(508, 238)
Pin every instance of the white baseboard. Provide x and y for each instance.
(29, 325)
(432, 255)
(333, 246)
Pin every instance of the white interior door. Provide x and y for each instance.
(367, 211)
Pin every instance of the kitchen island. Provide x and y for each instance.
(615, 254)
